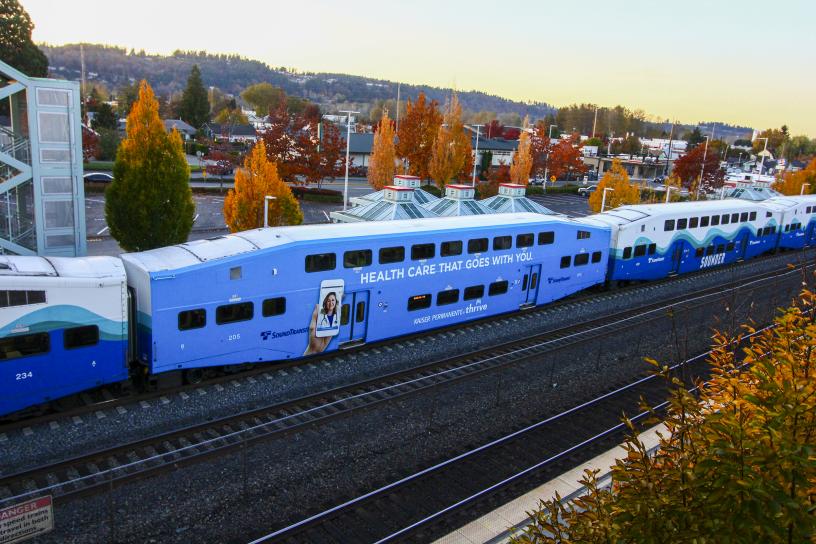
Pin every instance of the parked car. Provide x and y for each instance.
(587, 191)
(537, 180)
(98, 177)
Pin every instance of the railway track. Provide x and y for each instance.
(109, 398)
(432, 502)
(99, 471)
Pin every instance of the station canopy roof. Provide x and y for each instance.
(418, 196)
(396, 203)
(458, 201)
(755, 194)
(513, 198)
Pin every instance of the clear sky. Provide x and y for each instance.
(745, 62)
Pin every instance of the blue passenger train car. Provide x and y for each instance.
(281, 293)
(63, 327)
(798, 220)
(652, 241)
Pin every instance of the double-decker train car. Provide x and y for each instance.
(63, 327)
(652, 241)
(72, 324)
(797, 220)
(276, 294)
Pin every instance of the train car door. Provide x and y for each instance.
(353, 318)
(529, 285)
(677, 254)
(810, 234)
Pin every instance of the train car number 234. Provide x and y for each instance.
(24, 375)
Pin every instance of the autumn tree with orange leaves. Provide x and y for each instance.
(417, 134)
(791, 183)
(523, 158)
(451, 149)
(623, 191)
(689, 167)
(563, 158)
(381, 166)
(149, 204)
(244, 205)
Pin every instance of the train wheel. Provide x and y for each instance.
(193, 376)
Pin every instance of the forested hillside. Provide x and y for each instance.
(115, 66)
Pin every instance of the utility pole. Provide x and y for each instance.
(475, 155)
(702, 168)
(348, 147)
(547, 164)
(595, 121)
(398, 103)
(669, 156)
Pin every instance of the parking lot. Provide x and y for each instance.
(570, 204)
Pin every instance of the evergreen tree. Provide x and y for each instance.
(195, 106)
(244, 205)
(16, 48)
(105, 117)
(149, 204)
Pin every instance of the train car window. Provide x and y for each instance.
(502, 242)
(693, 222)
(743, 217)
(479, 245)
(652, 249)
(787, 228)
(730, 246)
(24, 345)
(710, 250)
(735, 218)
(640, 250)
(682, 223)
(474, 291)
(725, 219)
(545, 238)
(419, 302)
(344, 314)
(704, 221)
(583, 234)
(720, 248)
(768, 214)
(392, 255)
(233, 313)
(497, 288)
(235, 273)
(359, 314)
(565, 261)
(273, 306)
(668, 225)
(525, 240)
(715, 220)
(78, 337)
(449, 249)
(422, 251)
(21, 298)
(449, 296)
(596, 257)
(699, 252)
(581, 259)
(321, 262)
(357, 258)
(627, 253)
(752, 216)
(192, 319)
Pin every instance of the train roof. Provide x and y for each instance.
(781, 203)
(198, 251)
(64, 267)
(635, 212)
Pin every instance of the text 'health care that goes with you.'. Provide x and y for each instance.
(429, 269)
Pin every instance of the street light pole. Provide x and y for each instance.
(603, 197)
(348, 144)
(547, 164)
(803, 188)
(764, 150)
(267, 198)
(475, 155)
(668, 192)
(702, 168)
